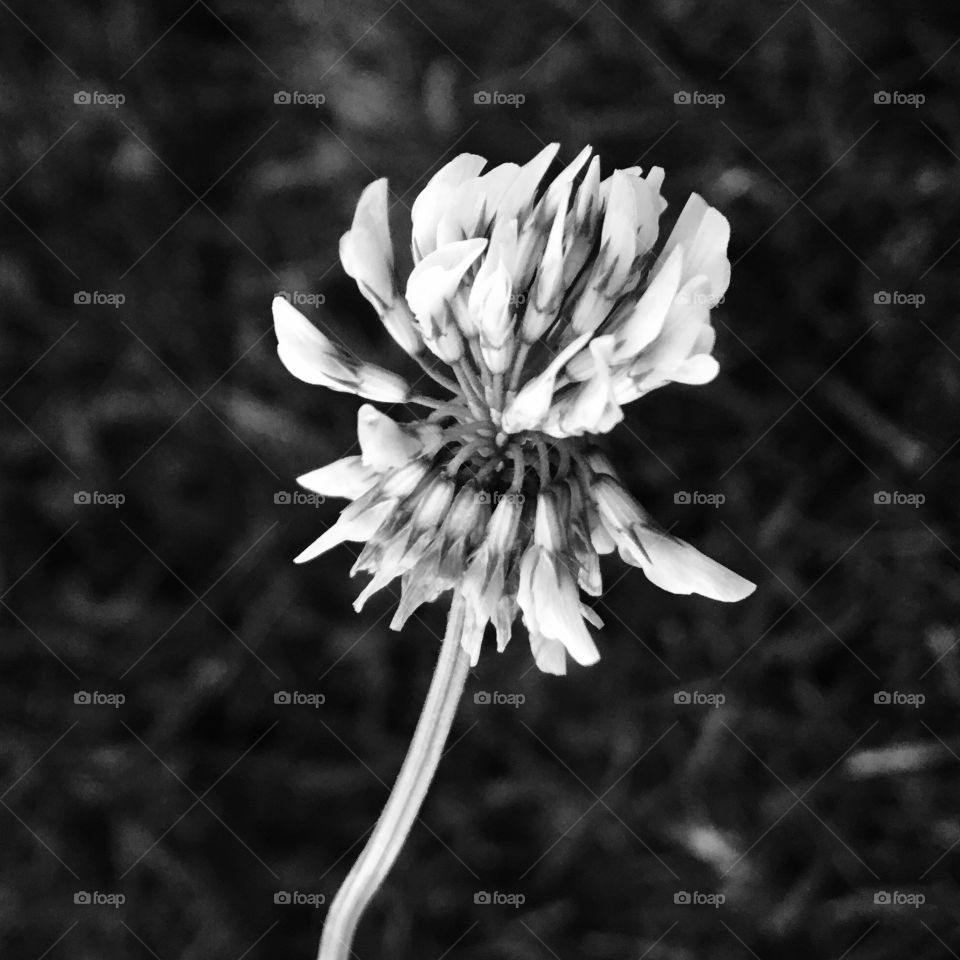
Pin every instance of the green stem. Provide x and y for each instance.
(403, 804)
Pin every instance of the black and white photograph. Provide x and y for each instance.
(479, 480)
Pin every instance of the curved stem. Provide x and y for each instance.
(405, 799)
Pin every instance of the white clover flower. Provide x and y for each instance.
(543, 312)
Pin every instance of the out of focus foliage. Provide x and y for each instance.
(601, 799)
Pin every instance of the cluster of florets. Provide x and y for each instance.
(542, 312)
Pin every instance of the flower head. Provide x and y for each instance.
(543, 310)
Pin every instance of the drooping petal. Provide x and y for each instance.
(549, 655)
(383, 443)
(349, 477)
(314, 358)
(356, 526)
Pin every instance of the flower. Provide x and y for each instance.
(552, 309)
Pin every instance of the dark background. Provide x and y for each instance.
(598, 800)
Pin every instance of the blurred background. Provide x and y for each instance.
(776, 778)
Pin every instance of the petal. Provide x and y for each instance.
(383, 443)
(678, 567)
(645, 321)
(696, 370)
(366, 250)
(558, 611)
(356, 526)
(314, 358)
(532, 403)
(519, 196)
(431, 202)
(435, 279)
(549, 655)
(306, 352)
(349, 478)
(703, 232)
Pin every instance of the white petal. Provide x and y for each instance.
(366, 250)
(558, 612)
(431, 202)
(532, 403)
(699, 369)
(305, 351)
(383, 443)
(356, 526)
(521, 193)
(349, 478)
(549, 655)
(645, 321)
(678, 567)
(436, 277)
(707, 253)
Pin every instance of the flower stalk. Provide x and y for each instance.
(405, 800)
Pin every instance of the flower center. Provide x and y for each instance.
(501, 463)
